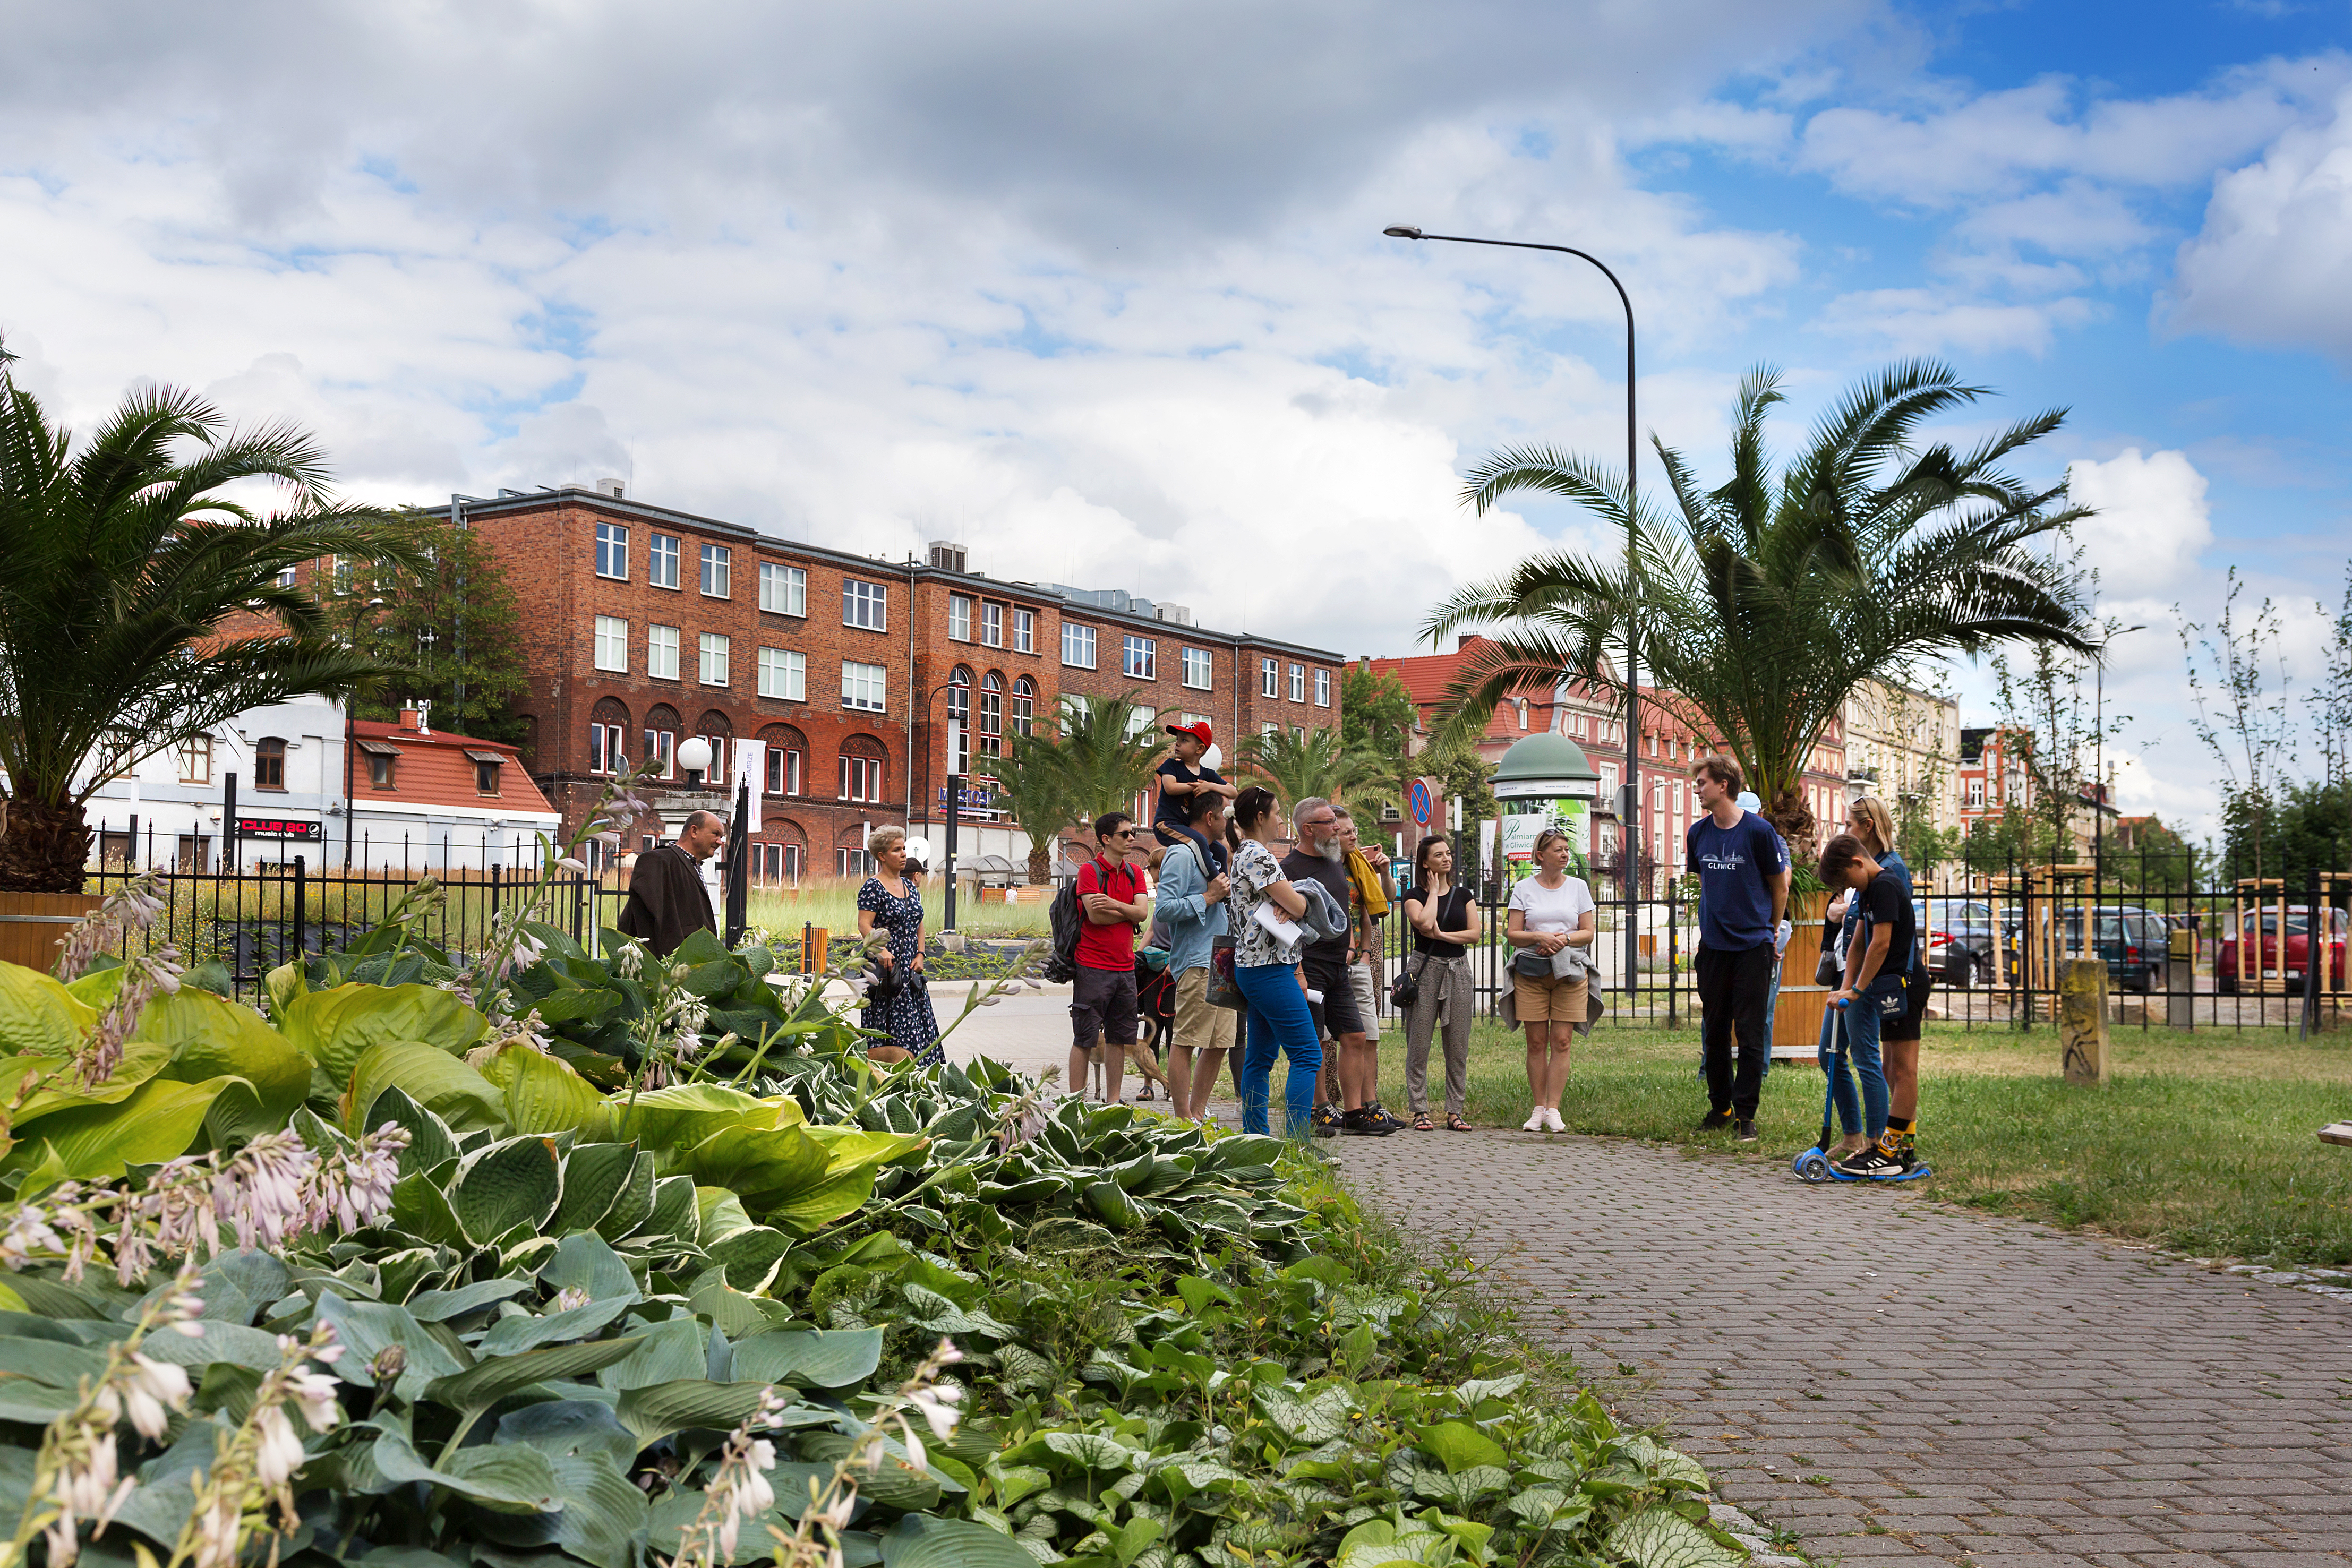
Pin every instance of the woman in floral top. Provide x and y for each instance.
(1265, 968)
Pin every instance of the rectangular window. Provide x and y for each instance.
(866, 605)
(1077, 646)
(196, 759)
(775, 865)
(784, 673)
(612, 643)
(861, 779)
(1025, 630)
(1269, 677)
(1268, 728)
(661, 752)
(1299, 683)
(784, 771)
(992, 625)
(959, 618)
(661, 561)
(1322, 688)
(605, 749)
(611, 554)
(1140, 657)
(286, 577)
(783, 590)
(714, 659)
(862, 685)
(1074, 706)
(1975, 794)
(718, 570)
(379, 771)
(1196, 668)
(855, 863)
(486, 777)
(661, 651)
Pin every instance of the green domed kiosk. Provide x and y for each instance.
(1544, 782)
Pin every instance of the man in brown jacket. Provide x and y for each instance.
(667, 898)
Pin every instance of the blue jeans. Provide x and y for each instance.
(1278, 1019)
(1861, 1023)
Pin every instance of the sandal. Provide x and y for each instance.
(1457, 1125)
(1421, 1123)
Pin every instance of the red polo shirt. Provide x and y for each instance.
(1109, 946)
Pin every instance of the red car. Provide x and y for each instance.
(2264, 961)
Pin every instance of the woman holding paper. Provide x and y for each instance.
(1551, 925)
(1266, 940)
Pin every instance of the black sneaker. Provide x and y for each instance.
(1325, 1129)
(1715, 1121)
(1366, 1123)
(1396, 1123)
(1873, 1163)
(1745, 1133)
(1325, 1121)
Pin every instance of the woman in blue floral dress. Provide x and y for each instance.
(891, 900)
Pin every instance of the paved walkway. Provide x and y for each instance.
(1894, 1380)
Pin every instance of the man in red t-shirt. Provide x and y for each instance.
(1102, 997)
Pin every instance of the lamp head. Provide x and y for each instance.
(1401, 231)
(694, 754)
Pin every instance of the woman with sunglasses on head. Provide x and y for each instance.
(1444, 921)
(1868, 820)
(1266, 969)
(1550, 912)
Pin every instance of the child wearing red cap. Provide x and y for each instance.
(1182, 777)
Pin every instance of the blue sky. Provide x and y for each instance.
(1101, 292)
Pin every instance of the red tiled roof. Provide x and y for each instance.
(433, 769)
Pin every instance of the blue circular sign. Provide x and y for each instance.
(1417, 800)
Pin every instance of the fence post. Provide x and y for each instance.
(2314, 953)
(301, 885)
(1673, 969)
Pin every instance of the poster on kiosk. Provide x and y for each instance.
(1541, 782)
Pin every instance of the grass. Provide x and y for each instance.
(2200, 1142)
(831, 903)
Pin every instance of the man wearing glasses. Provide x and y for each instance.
(1102, 997)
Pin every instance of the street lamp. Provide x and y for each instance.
(1631, 835)
(694, 755)
(955, 800)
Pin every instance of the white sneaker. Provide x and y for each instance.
(1535, 1122)
(1551, 1119)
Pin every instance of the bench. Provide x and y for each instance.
(2336, 1133)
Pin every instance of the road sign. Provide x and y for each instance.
(1421, 798)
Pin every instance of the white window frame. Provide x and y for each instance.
(1298, 681)
(661, 561)
(784, 771)
(1138, 657)
(607, 748)
(992, 624)
(661, 653)
(1323, 690)
(859, 680)
(862, 779)
(1025, 630)
(1269, 677)
(718, 571)
(611, 555)
(783, 590)
(1076, 637)
(865, 605)
(958, 617)
(610, 648)
(784, 673)
(1200, 669)
(711, 657)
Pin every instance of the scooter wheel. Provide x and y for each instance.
(1812, 1165)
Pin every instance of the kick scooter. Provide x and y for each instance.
(1814, 1165)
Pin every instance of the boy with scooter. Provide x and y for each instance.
(1880, 962)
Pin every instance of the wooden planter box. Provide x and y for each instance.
(33, 923)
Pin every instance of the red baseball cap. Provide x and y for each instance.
(1199, 732)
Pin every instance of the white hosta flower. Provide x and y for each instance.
(313, 1394)
(219, 1533)
(570, 1298)
(936, 1404)
(280, 1453)
(573, 864)
(29, 1231)
(156, 1388)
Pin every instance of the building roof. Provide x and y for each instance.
(433, 769)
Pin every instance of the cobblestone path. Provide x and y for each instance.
(1896, 1380)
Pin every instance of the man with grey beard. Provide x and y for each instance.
(1319, 857)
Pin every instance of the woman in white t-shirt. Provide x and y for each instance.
(1549, 911)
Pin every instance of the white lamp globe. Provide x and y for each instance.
(1213, 758)
(694, 754)
(919, 852)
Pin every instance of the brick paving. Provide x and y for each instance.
(1894, 1379)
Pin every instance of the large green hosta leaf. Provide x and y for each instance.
(335, 1028)
(514, 1183)
(543, 1094)
(39, 1017)
(428, 1075)
(1661, 1538)
(157, 1121)
(687, 1113)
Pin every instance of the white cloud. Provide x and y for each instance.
(2274, 262)
(2151, 521)
(1926, 322)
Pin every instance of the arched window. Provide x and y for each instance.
(992, 714)
(779, 854)
(661, 740)
(863, 763)
(269, 763)
(719, 729)
(608, 736)
(849, 852)
(960, 721)
(1024, 707)
(787, 759)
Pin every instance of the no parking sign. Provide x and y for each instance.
(1420, 800)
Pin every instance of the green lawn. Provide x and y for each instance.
(2201, 1142)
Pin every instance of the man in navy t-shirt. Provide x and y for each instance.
(1743, 898)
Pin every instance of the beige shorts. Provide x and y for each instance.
(1360, 980)
(1201, 1025)
(1548, 1001)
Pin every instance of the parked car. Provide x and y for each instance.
(2134, 941)
(2259, 928)
(1960, 942)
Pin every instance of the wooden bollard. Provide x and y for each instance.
(2082, 1020)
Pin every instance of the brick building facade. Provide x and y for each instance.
(643, 626)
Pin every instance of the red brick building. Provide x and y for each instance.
(644, 626)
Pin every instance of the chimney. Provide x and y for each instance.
(409, 719)
(948, 555)
(1175, 614)
(1463, 639)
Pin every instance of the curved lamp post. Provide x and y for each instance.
(1630, 849)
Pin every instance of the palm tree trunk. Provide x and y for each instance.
(43, 849)
(1041, 862)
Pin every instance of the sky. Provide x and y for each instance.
(1101, 291)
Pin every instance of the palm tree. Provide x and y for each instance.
(1317, 762)
(140, 607)
(1758, 606)
(1100, 762)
